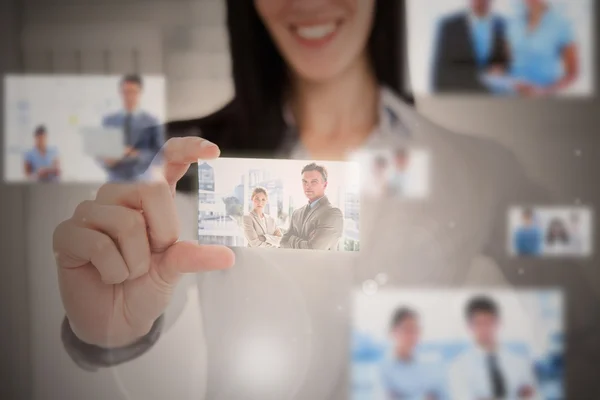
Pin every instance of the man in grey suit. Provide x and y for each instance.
(318, 225)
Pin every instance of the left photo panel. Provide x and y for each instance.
(288, 204)
(82, 128)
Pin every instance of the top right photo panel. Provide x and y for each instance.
(524, 48)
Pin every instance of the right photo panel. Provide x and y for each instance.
(527, 48)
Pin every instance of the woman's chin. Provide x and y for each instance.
(318, 72)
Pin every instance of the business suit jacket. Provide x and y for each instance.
(253, 228)
(321, 229)
(455, 67)
(147, 138)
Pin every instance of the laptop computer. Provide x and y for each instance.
(99, 142)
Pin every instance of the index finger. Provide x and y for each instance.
(179, 153)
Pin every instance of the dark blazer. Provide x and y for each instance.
(455, 68)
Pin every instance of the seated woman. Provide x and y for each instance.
(544, 57)
(260, 229)
(557, 238)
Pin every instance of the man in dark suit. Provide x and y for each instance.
(468, 44)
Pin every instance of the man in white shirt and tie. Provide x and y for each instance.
(488, 371)
(142, 134)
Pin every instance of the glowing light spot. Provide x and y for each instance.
(263, 364)
(370, 287)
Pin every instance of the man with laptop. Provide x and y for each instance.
(142, 135)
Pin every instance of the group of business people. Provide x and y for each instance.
(478, 50)
(559, 237)
(486, 369)
(142, 135)
(317, 225)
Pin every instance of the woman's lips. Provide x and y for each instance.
(316, 35)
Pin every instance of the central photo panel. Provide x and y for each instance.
(286, 204)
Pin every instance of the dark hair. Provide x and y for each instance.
(315, 167)
(400, 315)
(252, 124)
(260, 74)
(557, 232)
(482, 304)
(528, 213)
(40, 130)
(133, 78)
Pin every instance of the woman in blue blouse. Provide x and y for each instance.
(543, 50)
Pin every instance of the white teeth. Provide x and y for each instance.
(316, 31)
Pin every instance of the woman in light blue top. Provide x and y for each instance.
(543, 50)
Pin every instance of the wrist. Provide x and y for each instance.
(90, 357)
(111, 340)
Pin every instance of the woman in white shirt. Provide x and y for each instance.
(261, 229)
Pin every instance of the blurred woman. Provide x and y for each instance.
(557, 237)
(313, 79)
(260, 229)
(543, 50)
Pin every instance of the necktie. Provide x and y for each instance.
(496, 378)
(127, 127)
(305, 213)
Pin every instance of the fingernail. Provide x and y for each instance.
(206, 143)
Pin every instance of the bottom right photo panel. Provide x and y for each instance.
(459, 344)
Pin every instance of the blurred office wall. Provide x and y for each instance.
(185, 40)
(15, 361)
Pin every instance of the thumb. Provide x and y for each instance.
(190, 257)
